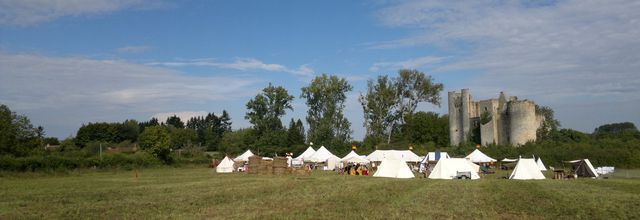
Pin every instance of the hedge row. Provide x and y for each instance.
(57, 162)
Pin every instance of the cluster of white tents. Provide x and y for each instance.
(393, 163)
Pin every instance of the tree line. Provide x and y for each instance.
(391, 121)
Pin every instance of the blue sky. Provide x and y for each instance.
(65, 63)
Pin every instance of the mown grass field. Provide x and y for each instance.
(199, 193)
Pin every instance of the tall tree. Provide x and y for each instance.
(175, 122)
(412, 88)
(378, 105)
(265, 111)
(549, 123)
(17, 136)
(325, 97)
(295, 134)
(157, 141)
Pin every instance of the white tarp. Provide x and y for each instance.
(394, 169)
(526, 169)
(321, 155)
(507, 160)
(478, 157)
(605, 170)
(433, 156)
(406, 155)
(449, 168)
(244, 156)
(307, 153)
(540, 164)
(225, 166)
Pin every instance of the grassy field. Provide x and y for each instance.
(200, 193)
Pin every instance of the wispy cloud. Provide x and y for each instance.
(561, 52)
(133, 49)
(239, 64)
(407, 64)
(30, 12)
(75, 90)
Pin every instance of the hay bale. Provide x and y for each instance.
(255, 164)
(280, 162)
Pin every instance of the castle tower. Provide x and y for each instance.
(522, 126)
(466, 106)
(455, 119)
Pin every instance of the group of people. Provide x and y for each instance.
(352, 169)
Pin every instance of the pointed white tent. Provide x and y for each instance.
(350, 155)
(478, 157)
(435, 156)
(583, 168)
(307, 153)
(394, 169)
(225, 166)
(540, 164)
(321, 155)
(244, 156)
(406, 155)
(448, 168)
(526, 169)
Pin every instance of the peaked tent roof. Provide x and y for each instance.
(321, 155)
(394, 169)
(435, 156)
(448, 168)
(406, 155)
(359, 159)
(307, 153)
(350, 155)
(526, 169)
(583, 168)
(225, 166)
(540, 164)
(478, 157)
(244, 156)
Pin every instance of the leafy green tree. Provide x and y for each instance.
(379, 105)
(175, 122)
(425, 127)
(325, 96)
(17, 136)
(549, 123)
(623, 130)
(412, 88)
(181, 138)
(295, 134)
(236, 142)
(129, 130)
(265, 111)
(157, 141)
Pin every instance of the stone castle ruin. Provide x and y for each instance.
(503, 121)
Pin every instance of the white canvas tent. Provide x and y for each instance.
(478, 157)
(360, 160)
(321, 155)
(225, 166)
(435, 156)
(540, 164)
(350, 155)
(307, 153)
(526, 169)
(394, 169)
(406, 155)
(244, 156)
(450, 167)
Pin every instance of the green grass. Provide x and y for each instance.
(200, 193)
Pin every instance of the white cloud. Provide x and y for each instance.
(562, 52)
(30, 12)
(75, 90)
(184, 115)
(413, 63)
(239, 64)
(133, 49)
